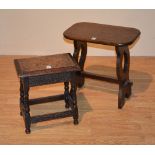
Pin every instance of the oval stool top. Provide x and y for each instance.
(102, 34)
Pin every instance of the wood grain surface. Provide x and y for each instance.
(40, 65)
(102, 34)
(100, 120)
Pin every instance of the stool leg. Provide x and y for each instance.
(26, 109)
(123, 74)
(66, 94)
(21, 96)
(74, 102)
(78, 45)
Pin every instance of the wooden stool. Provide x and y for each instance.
(43, 70)
(120, 37)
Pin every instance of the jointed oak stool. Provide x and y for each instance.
(120, 37)
(43, 70)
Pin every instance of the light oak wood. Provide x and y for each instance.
(100, 120)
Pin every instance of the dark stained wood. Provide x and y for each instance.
(46, 99)
(66, 94)
(80, 46)
(46, 117)
(100, 77)
(21, 96)
(33, 72)
(117, 36)
(73, 100)
(122, 71)
(48, 78)
(25, 105)
(102, 34)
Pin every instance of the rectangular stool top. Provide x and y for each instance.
(41, 65)
(102, 34)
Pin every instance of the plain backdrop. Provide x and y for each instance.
(40, 32)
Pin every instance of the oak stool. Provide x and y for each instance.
(44, 70)
(118, 36)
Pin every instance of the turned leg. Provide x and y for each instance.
(122, 71)
(66, 94)
(74, 102)
(80, 46)
(21, 96)
(26, 109)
